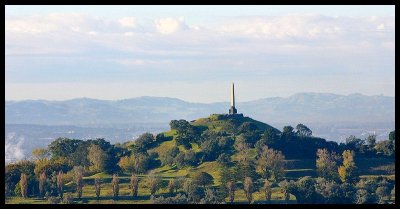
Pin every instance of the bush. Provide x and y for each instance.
(53, 200)
(17, 190)
(178, 199)
(68, 199)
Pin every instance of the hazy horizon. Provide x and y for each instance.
(195, 52)
(227, 100)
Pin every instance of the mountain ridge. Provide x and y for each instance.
(303, 107)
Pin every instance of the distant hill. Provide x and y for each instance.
(301, 107)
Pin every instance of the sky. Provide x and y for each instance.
(194, 53)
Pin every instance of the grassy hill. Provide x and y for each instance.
(227, 125)
(220, 122)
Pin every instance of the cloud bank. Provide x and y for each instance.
(80, 48)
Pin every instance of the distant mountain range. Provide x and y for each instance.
(307, 108)
(35, 123)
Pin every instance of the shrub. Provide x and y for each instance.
(53, 200)
(68, 199)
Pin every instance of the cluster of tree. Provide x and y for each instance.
(186, 133)
(181, 159)
(369, 147)
(323, 191)
(97, 154)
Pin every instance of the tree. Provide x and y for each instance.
(248, 188)
(303, 130)
(180, 160)
(210, 149)
(167, 157)
(287, 132)
(354, 143)
(134, 183)
(211, 197)
(190, 158)
(348, 169)
(192, 191)
(348, 193)
(267, 189)
(60, 183)
(40, 154)
(327, 164)
(171, 186)
(23, 183)
(63, 147)
(393, 192)
(142, 162)
(284, 185)
(97, 157)
(383, 192)
(304, 190)
(224, 159)
(42, 184)
(230, 185)
(154, 183)
(228, 174)
(387, 147)
(178, 183)
(13, 173)
(271, 163)
(269, 138)
(143, 143)
(79, 183)
(203, 178)
(243, 150)
(52, 165)
(392, 135)
(53, 189)
(115, 186)
(97, 186)
(371, 141)
(181, 126)
(329, 190)
(247, 127)
(364, 197)
(127, 163)
(178, 199)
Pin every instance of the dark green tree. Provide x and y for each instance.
(203, 178)
(303, 130)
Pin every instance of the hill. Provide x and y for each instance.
(208, 151)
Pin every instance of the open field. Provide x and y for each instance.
(296, 168)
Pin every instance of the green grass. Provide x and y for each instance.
(211, 168)
(20, 200)
(167, 145)
(125, 197)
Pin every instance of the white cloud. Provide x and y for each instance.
(129, 22)
(13, 150)
(285, 27)
(169, 25)
(75, 43)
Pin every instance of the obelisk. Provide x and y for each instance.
(232, 110)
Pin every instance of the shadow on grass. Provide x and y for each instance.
(102, 198)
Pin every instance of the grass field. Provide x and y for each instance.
(89, 197)
(295, 169)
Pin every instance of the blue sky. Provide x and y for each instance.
(195, 52)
